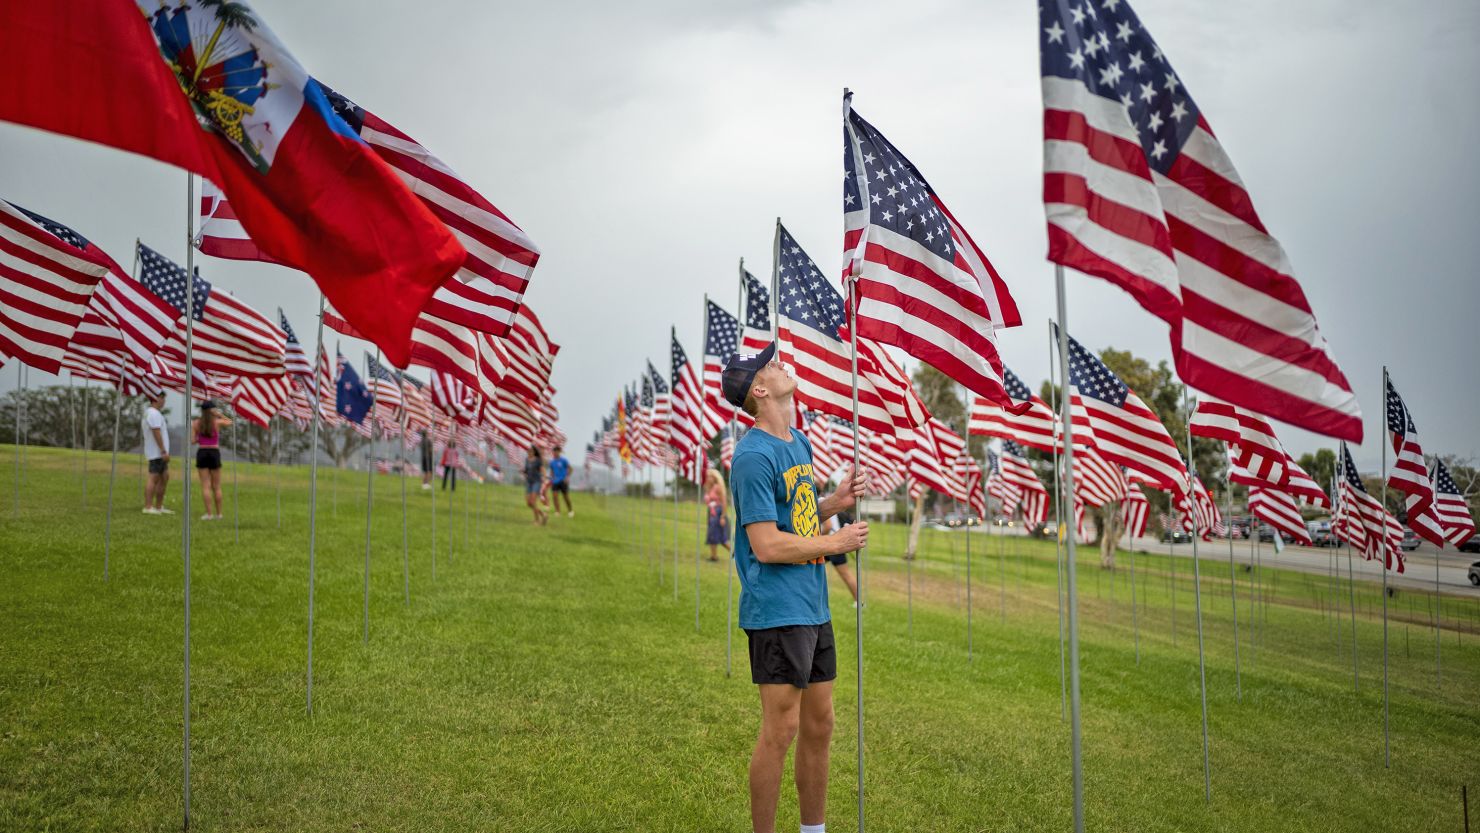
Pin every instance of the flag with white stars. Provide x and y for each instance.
(1408, 472)
(351, 397)
(1361, 520)
(1138, 191)
(922, 283)
(686, 428)
(757, 317)
(1450, 507)
(295, 361)
(1118, 424)
(810, 317)
(721, 341)
(48, 274)
(1029, 421)
(229, 336)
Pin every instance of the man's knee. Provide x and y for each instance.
(817, 723)
(779, 729)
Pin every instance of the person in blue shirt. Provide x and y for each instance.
(780, 553)
(560, 482)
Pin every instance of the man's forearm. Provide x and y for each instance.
(786, 548)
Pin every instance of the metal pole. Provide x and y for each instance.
(185, 447)
(698, 546)
(405, 534)
(432, 428)
(1387, 754)
(1202, 668)
(277, 470)
(1351, 587)
(1002, 570)
(86, 437)
(858, 618)
(1059, 519)
(236, 513)
(673, 533)
(1238, 680)
(369, 497)
(112, 471)
(20, 399)
(909, 572)
(313, 489)
(1076, 752)
(1438, 614)
(981, 484)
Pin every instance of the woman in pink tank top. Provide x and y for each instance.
(205, 434)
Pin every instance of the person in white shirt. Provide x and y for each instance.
(157, 452)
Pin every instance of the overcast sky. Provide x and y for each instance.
(645, 146)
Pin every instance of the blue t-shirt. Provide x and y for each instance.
(771, 480)
(559, 468)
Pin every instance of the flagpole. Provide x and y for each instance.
(909, 569)
(1059, 517)
(858, 618)
(1202, 667)
(405, 534)
(433, 429)
(1387, 755)
(112, 472)
(1438, 606)
(20, 399)
(1351, 585)
(313, 488)
(276, 439)
(87, 437)
(236, 512)
(190, 209)
(369, 495)
(1075, 739)
(1233, 588)
(981, 484)
(674, 527)
(1135, 620)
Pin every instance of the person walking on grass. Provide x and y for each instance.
(560, 481)
(450, 461)
(427, 467)
(205, 435)
(534, 477)
(716, 502)
(157, 452)
(779, 555)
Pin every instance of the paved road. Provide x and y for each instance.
(1419, 575)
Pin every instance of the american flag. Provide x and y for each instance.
(721, 341)
(531, 354)
(386, 390)
(515, 416)
(1133, 510)
(1279, 510)
(645, 440)
(258, 399)
(444, 347)
(727, 446)
(922, 284)
(1029, 421)
(825, 459)
(1008, 496)
(1258, 450)
(1119, 424)
(48, 273)
(686, 433)
(1451, 511)
(811, 323)
(419, 414)
(115, 368)
(230, 337)
(662, 415)
(1296, 482)
(324, 391)
(1018, 471)
(757, 316)
(1139, 192)
(1203, 517)
(454, 398)
(1097, 481)
(882, 456)
(1361, 519)
(1409, 472)
(932, 449)
(295, 361)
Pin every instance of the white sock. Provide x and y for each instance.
(814, 828)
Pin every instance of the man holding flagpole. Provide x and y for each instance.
(780, 555)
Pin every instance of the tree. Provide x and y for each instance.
(1321, 466)
(60, 416)
(340, 443)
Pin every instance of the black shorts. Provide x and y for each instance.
(426, 461)
(839, 560)
(208, 458)
(796, 655)
(159, 465)
(563, 487)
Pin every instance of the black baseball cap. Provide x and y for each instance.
(740, 372)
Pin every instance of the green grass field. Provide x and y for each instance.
(549, 680)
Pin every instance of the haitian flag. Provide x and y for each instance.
(208, 87)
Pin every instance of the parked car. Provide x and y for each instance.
(1409, 542)
(1475, 571)
(1176, 536)
(1266, 533)
(1472, 544)
(1321, 534)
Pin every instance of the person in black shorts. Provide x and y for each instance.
(840, 561)
(779, 552)
(427, 466)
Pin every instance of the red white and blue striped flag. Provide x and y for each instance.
(1139, 191)
(48, 273)
(1409, 472)
(1451, 511)
(922, 283)
(1029, 421)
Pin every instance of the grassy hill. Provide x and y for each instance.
(551, 679)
